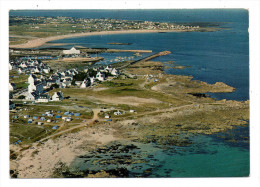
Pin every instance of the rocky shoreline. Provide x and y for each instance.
(114, 149)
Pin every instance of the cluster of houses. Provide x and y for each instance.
(29, 66)
(63, 79)
(100, 76)
(36, 90)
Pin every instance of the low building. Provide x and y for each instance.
(32, 96)
(12, 87)
(117, 113)
(72, 51)
(57, 96)
(100, 76)
(115, 72)
(107, 116)
(85, 84)
(43, 98)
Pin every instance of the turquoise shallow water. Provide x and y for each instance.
(212, 56)
(205, 157)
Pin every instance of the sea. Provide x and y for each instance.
(221, 56)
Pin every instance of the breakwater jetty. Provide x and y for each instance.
(147, 58)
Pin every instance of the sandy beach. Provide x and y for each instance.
(41, 41)
(40, 161)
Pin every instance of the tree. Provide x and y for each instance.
(21, 97)
(54, 86)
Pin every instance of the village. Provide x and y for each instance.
(42, 79)
(105, 24)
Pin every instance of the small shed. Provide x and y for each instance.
(44, 114)
(35, 117)
(49, 120)
(77, 114)
(107, 116)
(132, 111)
(57, 117)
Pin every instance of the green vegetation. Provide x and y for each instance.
(28, 133)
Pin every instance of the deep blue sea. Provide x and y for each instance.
(221, 56)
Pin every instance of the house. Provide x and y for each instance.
(57, 96)
(11, 105)
(10, 66)
(92, 80)
(71, 51)
(32, 79)
(85, 84)
(107, 116)
(34, 85)
(44, 98)
(78, 83)
(86, 70)
(12, 87)
(32, 96)
(108, 69)
(117, 113)
(115, 72)
(36, 70)
(20, 70)
(62, 85)
(100, 76)
(46, 70)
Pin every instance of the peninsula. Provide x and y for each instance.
(66, 109)
(36, 31)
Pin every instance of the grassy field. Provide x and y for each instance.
(19, 80)
(29, 133)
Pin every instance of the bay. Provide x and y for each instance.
(221, 56)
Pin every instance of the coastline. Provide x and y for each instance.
(41, 41)
(182, 112)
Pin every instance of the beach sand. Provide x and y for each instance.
(40, 161)
(41, 41)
